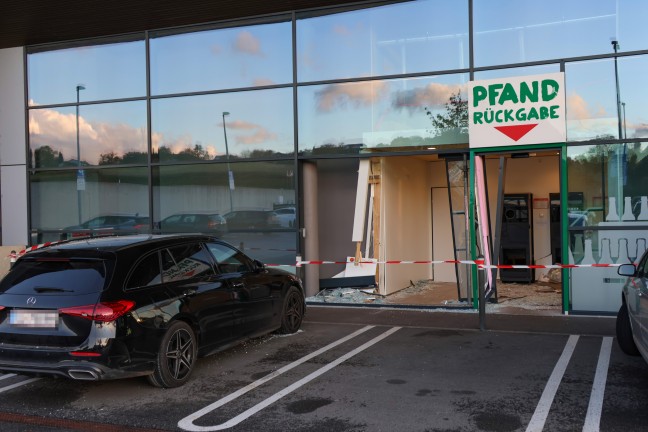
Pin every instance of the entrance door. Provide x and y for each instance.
(515, 225)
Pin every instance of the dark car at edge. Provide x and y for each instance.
(632, 318)
(115, 307)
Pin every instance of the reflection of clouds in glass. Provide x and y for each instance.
(259, 82)
(58, 130)
(586, 122)
(579, 109)
(432, 95)
(247, 43)
(341, 30)
(640, 130)
(307, 59)
(359, 94)
(259, 134)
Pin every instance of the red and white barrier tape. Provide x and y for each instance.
(478, 263)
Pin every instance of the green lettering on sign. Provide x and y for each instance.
(549, 89)
(530, 94)
(508, 94)
(479, 94)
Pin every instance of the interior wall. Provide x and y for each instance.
(539, 176)
(441, 224)
(405, 222)
(337, 180)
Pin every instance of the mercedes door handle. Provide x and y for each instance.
(189, 292)
(238, 285)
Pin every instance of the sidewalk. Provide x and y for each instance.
(462, 320)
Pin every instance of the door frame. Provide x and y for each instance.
(564, 225)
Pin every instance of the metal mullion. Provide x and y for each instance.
(297, 189)
(27, 149)
(97, 102)
(220, 91)
(149, 132)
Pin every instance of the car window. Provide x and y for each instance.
(172, 219)
(98, 221)
(146, 272)
(71, 276)
(642, 268)
(228, 259)
(186, 262)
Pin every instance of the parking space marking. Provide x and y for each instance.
(7, 376)
(18, 384)
(187, 422)
(544, 405)
(593, 417)
(274, 374)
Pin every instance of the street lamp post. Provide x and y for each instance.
(625, 131)
(620, 155)
(615, 46)
(78, 149)
(230, 177)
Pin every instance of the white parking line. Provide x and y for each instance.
(542, 410)
(7, 376)
(593, 417)
(187, 422)
(18, 384)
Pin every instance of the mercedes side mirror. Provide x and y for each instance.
(627, 270)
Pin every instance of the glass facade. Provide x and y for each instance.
(217, 119)
(236, 57)
(369, 115)
(240, 125)
(386, 40)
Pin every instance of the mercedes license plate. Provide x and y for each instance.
(34, 318)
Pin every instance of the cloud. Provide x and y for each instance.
(358, 94)
(578, 108)
(263, 82)
(258, 134)
(342, 30)
(57, 130)
(431, 95)
(247, 43)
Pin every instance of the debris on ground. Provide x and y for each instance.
(346, 295)
(538, 296)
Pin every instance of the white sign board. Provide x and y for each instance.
(517, 111)
(81, 183)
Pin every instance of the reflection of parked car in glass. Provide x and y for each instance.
(199, 222)
(285, 216)
(251, 219)
(115, 223)
(116, 307)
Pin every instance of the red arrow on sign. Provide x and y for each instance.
(516, 132)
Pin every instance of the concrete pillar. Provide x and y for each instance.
(311, 227)
(13, 159)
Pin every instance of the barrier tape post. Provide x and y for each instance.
(481, 280)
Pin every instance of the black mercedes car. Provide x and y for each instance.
(114, 307)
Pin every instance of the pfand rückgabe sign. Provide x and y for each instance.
(517, 111)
